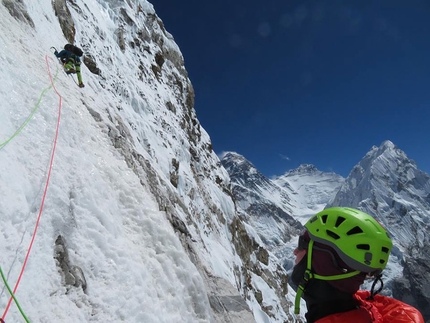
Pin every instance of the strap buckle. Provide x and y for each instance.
(308, 275)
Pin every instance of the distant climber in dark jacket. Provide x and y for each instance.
(71, 63)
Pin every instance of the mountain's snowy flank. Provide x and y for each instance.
(134, 217)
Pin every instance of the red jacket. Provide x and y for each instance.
(382, 309)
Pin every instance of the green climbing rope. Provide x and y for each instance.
(31, 114)
(13, 296)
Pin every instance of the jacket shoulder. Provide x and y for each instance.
(391, 310)
(382, 309)
(61, 53)
(360, 315)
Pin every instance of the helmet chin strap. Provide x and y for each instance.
(308, 275)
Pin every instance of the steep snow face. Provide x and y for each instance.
(311, 187)
(137, 221)
(138, 224)
(99, 201)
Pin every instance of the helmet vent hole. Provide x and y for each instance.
(339, 221)
(332, 234)
(381, 261)
(324, 218)
(363, 247)
(354, 230)
(385, 249)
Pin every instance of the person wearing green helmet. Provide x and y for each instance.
(339, 249)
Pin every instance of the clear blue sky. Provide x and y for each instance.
(290, 82)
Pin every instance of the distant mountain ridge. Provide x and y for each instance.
(277, 207)
(261, 201)
(385, 183)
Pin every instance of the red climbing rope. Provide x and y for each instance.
(44, 193)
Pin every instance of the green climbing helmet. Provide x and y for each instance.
(360, 241)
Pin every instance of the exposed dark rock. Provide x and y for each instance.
(259, 296)
(156, 70)
(18, 10)
(241, 240)
(263, 255)
(179, 225)
(171, 107)
(72, 275)
(189, 101)
(194, 154)
(65, 19)
(159, 59)
(414, 287)
(126, 17)
(97, 117)
(223, 304)
(174, 176)
(90, 62)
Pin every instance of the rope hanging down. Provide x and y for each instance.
(14, 298)
(45, 191)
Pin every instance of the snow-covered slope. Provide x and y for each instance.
(134, 212)
(311, 188)
(138, 223)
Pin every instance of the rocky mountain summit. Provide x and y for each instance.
(389, 185)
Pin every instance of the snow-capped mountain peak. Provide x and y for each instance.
(389, 185)
(311, 188)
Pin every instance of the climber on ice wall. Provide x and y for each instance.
(70, 57)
